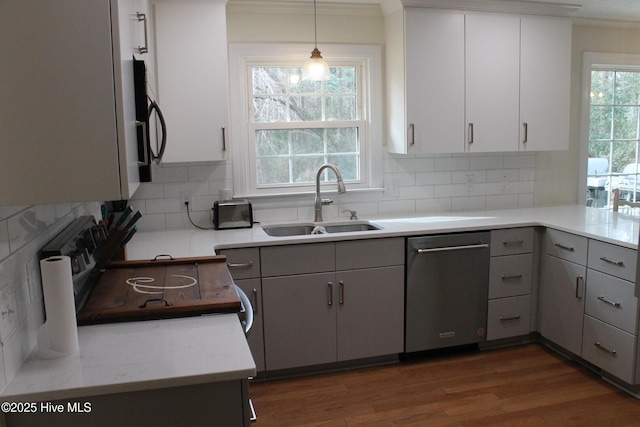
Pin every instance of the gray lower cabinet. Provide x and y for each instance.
(562, 289)
(244, 266)
(352, 309)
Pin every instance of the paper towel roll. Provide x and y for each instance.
(58, 337)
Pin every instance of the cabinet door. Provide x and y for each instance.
(434, 81)
(58, 119)
(545, 76)
(191, 41)
(562, 303)
(255, 336)
(299, 320)
(370, 312)
(492, 82)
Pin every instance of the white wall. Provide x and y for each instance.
(412, 184)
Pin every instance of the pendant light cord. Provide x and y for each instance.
(315, 25)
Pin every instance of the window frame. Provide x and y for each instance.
(593, 61)
(242, 56)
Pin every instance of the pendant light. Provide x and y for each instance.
(316, 68)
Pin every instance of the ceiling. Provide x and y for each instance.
(623, 10)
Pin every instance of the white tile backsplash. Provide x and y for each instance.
(412, 184)
(24, 231)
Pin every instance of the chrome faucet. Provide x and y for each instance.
(320, 201)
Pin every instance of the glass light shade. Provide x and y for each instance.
(316, 68)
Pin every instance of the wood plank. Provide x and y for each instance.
(526, 385)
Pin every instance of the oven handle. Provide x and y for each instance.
(453, 248)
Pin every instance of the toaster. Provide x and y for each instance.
(230, 214)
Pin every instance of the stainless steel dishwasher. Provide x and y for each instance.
(447, 288)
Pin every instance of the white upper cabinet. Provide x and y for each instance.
(492, 82)
(67, 110)
(545, 80)
(425, 81)
(193, 79)
(476, 82)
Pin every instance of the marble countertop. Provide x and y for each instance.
(135, 356)
(599, 224)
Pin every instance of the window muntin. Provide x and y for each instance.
(296, 125)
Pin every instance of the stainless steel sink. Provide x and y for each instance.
(310, 228)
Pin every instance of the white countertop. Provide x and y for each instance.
(134, 356)
(600, 224)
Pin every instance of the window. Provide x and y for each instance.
(290, 127)
(613, 141)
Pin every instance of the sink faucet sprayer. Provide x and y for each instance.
(319, 201)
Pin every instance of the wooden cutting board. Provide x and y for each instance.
(158, 289)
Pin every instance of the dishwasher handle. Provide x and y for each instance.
(453, 248)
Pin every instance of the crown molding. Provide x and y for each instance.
(300, 8)
(504, 6)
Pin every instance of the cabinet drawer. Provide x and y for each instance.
(609, 348)
(566, 246)
(511, 241)
(357, 254)
(508, 317)
(242, 263)
(611, 300)
(510, 275)
(297, 259)
(612, 259)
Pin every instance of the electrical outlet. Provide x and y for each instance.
(185, 198)
(226, 194)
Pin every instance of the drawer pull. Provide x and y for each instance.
(255, 300)
(607, 301)
(603, 348)
(240, 265)
(512, 242)
(566, 248)
(610, 261)
(515, 276)
(578, 280)
(506, 319)
(330, 284)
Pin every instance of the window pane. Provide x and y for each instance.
(270, 109)
(343, 80)
(304, 168)
(269, 80)
(600, 123)
(272, 170)
(342, 140)
(306, 108)
(340, 108)
(626, 123)
(307, 141)
(624, 153)
(627, 88)
(272, 142)
(602, 83)
(347, 165)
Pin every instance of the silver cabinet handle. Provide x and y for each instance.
(608, 301)
(610, 261)
(255, 301)
(506, 319)
(341, 292)
(330, 293)
(412, 134)
(470, 133)
(452, 248)
(512, 242)
(142, 17)
(224, 140)
(566, 248)
(603, 348)
(239, 265)
(526, 133)
(578, 280)
(514, 276)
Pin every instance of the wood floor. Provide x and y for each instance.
(520, 386)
